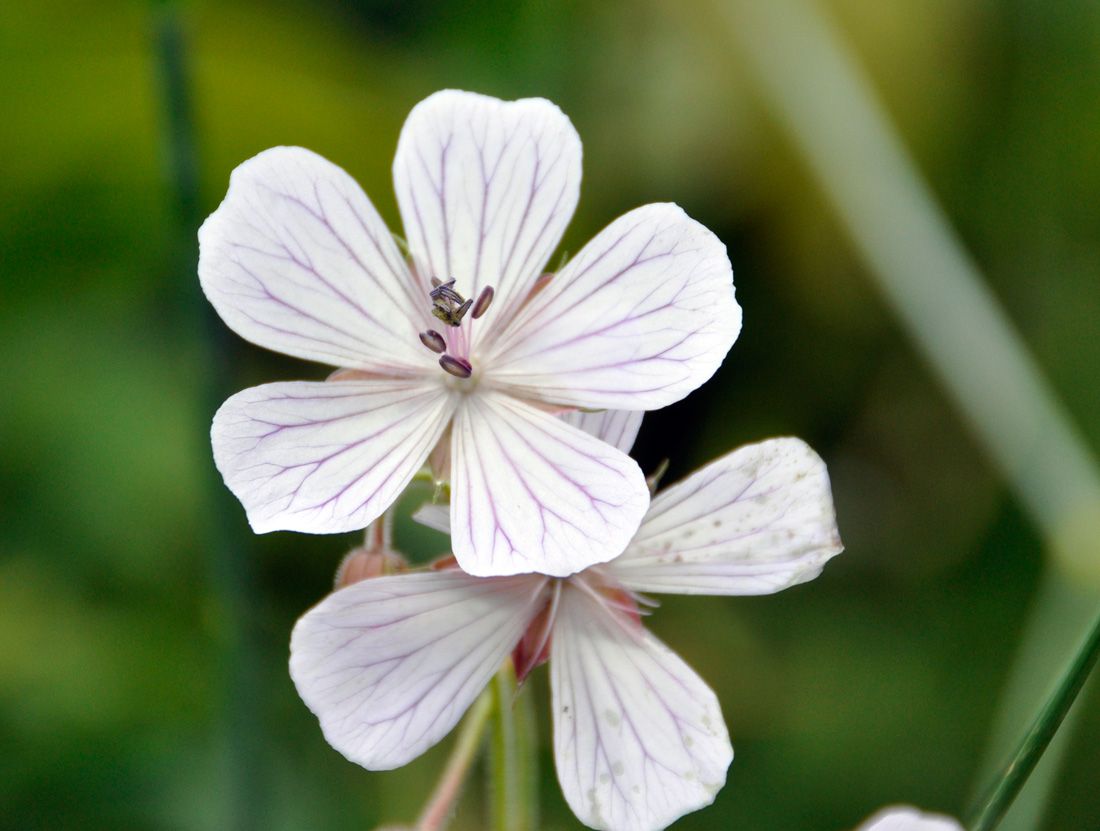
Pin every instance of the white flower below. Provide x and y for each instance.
(464, 348)
(907, 818)
(389, 665)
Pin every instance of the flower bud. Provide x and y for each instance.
(363, 564)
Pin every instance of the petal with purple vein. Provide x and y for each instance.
(618, 428)
(325, 458)
(296, 259)
(531, 493)
(639, 738)
(486, 189)
(643, 315)
(389, 665)
(754, 521)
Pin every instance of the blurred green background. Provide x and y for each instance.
(143, 679)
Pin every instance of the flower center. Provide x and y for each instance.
(451, 308)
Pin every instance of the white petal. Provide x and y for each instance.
(486, 189)
(325, 458)
(434, 515)
(531, 493)
(389, 665)
(755, 521)
(618, 428)
(639, 738)
(643, 315)
(905, 818)
(297, 259)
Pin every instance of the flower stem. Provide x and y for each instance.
(512, 763)
(1001, 793)
(439, 807)
(232, 583)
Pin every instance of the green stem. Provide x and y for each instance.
(465, 750)
(997, 800)
(512, 763)
(231, 577)
(1061, 609)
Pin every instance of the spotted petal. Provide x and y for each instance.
(389, 665)
(486, 189)
(905, 818)
(644, 314)
(638, 737)
(755, 521)
(531, 493)
(325, 457)
(618, 428)
(296, 259)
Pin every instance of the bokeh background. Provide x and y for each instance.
(144, 630)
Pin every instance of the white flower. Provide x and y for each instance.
(906, 818)
(389, 665)
(297, 259)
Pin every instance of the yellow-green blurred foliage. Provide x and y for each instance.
(876, 683)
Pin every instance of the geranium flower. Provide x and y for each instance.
(389, 665)
(464, 347)
(906, 818)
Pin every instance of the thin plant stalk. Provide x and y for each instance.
(231, 577)
(1006, 787)
(512, 781)
(441, 804)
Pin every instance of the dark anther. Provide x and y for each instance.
(456, 366)
(447, 304)
(482, 304)
(434, 341)
(450, 315)
(446, 293)
(436, 282)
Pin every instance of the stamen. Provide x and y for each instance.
(447, 304)
(456, 366)
(434, 341)
(445, 293)
(450, 315)
(483, 301)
